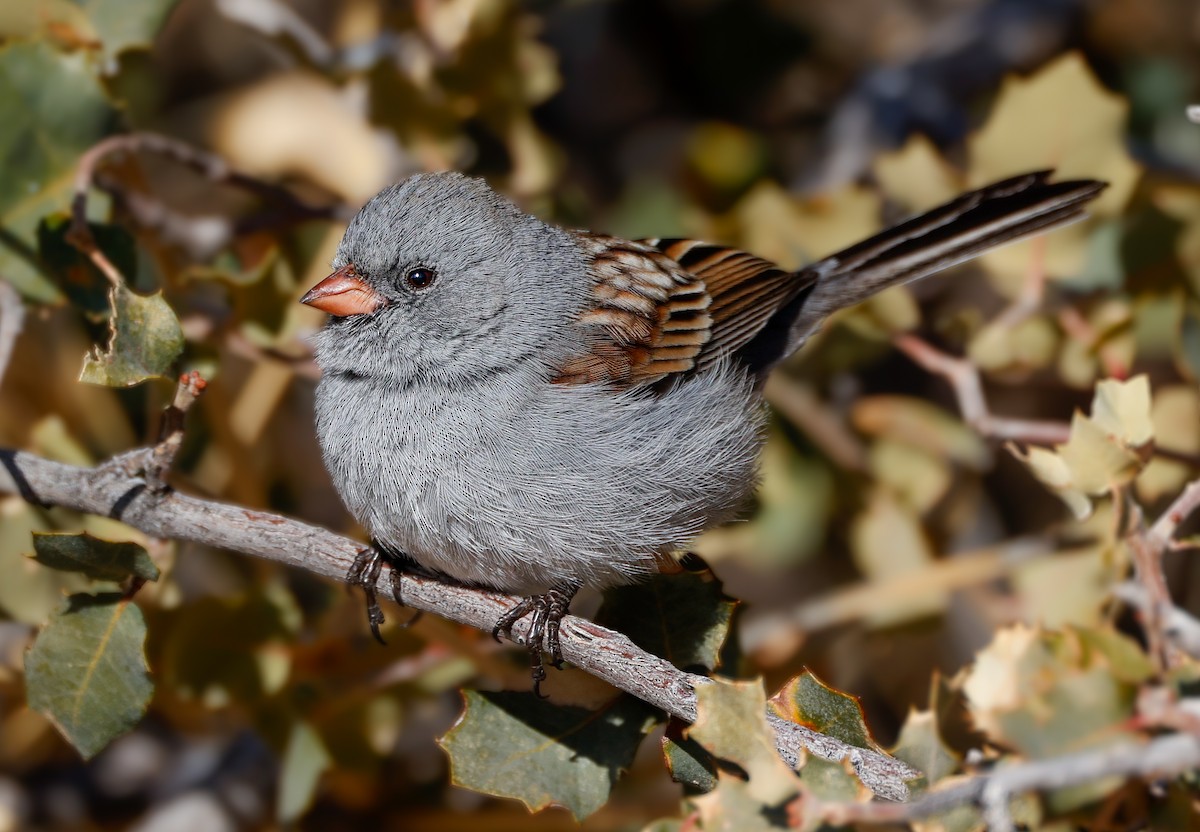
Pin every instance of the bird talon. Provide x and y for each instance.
(548, 610)
(365, 573)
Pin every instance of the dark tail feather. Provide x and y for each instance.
(969, 225)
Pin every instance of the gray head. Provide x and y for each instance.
(440, 278)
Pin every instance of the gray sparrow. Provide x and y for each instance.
(509, 404)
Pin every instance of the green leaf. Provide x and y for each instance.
(145, 340)
(682, 617)
(126, 24)
(52, 109)
(688, 762)
(87, 673)
(304, 760)
(516, 745)
(806, 700)
(102, 560)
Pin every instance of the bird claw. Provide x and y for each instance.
(548, 611)
(365, 572)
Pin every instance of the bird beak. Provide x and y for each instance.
(344, 293)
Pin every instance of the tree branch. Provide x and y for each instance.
(1160, 757)
(115, 489)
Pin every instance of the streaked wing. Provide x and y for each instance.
(648, 319)
(746, 291)
(666, 307)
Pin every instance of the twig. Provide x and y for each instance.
(200, 235)
(964, 377)
(1163, 756)
(1033, 290)
(12, 318)
(111, 490)
(1166, 633)
(170, 433)
(1178, 627)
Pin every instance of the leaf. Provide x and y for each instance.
(1122, 408)
(733, 807)
(808, 701)
(688, 762)
(99, 559)
(921, 746)
(304, 760)
(1047, 693)
(228, 649)
(683, 617)
(917, 176)
(731, 723)
(516, 745)
(52, 109)
(145, 340)
(1104, 451)
(122, 24)
(87, 673)
(28, 593)
(1061, 118)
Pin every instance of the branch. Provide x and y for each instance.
(112, 490)
(201, 236)
(1161, 757)
(964, 377)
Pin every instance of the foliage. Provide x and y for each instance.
(894, 533)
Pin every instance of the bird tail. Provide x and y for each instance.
(974, 222)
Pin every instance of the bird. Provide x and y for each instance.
(512, 405)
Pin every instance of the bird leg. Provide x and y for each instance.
(548, 610)
(365, 572)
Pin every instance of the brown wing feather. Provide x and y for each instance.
(649, 317)
(746, 291)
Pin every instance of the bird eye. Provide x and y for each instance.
(420, 277)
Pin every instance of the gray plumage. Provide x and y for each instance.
(454, 434)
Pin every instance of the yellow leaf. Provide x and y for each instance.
(1123, 409)
(1061, 118)
(917, 176)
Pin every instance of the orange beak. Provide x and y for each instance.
(344, 293)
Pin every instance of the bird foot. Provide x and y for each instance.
(548, 610)
(365, 573)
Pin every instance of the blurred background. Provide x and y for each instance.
(889, 538)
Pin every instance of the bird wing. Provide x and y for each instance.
(662, 308)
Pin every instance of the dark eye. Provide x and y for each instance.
(420, 277)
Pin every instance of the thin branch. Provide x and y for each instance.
(12, 318)
(964, 377)
(200, 235)
(1163, 756)
(111, 490)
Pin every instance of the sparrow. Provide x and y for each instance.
(512, 405)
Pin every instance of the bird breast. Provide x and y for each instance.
(520, 485)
